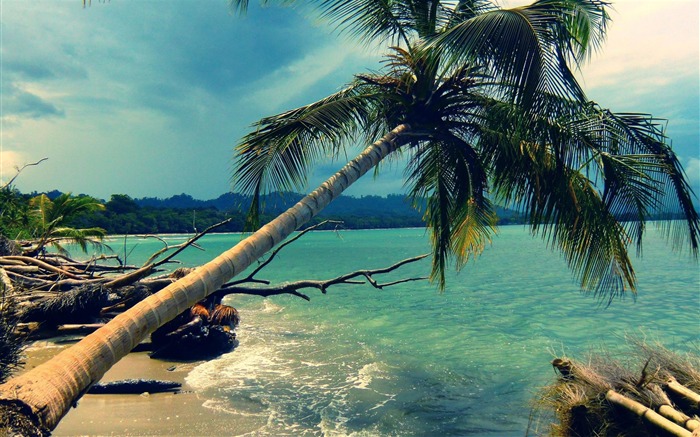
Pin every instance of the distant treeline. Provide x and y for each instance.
(184, 214)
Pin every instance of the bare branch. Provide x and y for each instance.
(322, 285)
(147, 269)
(19, 170)
(250, 278)
(190, 242)
(264, 292)
(43, 265)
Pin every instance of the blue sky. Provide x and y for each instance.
(149, 98)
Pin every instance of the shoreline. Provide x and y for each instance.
(181, 413)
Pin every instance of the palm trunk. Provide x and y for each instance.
(49, 390)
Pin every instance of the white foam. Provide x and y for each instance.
(271, 308)
(366, 374)
(225, 407)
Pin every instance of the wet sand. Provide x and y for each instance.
(159, 414)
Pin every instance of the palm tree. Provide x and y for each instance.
(480, 101)
(490, 110)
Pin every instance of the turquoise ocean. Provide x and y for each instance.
(411, 360)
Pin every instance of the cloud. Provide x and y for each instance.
(649, 43)
(692, 169)
(289, 81)
(20, 103)
(148, 99)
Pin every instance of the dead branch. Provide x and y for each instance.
(19, 170)
(180, 247)
(262, 265)
(45, 284)
(322, 285)
(43, 265)
(150, 266)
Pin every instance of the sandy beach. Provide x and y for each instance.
(160, 414)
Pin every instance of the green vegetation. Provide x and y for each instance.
(184, 214)
(38, 220)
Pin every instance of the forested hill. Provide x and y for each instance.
(182, 213)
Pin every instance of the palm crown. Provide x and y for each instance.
(493, 112)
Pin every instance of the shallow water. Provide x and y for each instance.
(409, 360)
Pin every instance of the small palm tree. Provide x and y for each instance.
(51, 217)
(481, 102)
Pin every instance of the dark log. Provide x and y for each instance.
(207, 342)
(34, 331)
(134, 386)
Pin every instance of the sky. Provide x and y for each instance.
(149, 98)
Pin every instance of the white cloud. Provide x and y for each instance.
(692, 169)
(658, 39)
(290, 81)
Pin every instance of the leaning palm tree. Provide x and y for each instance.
(482, 104)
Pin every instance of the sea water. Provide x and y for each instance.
(411, 360)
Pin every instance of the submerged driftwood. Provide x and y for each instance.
(656, 395)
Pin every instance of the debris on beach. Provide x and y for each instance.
(135, 386)
(654, 392)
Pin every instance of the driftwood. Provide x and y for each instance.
(604, 397)
(134, 386)
(57, 295)
(647, 414)
(20, 170)
(322, 285)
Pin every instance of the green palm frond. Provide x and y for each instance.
(451, 176)
(278, 154)
(589, 181)
(643, 134)
(370, 20)
(53, 215)
(530, 47)
(82, 237)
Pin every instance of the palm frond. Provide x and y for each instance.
(674, 197)
(369, 20)
(82, 237)
(530, 47)
(589, 181)
(450, 176)
(278, 154)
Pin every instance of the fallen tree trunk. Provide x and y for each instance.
(660, 398)
(679, 417)
(647, 414)
(690, 396)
